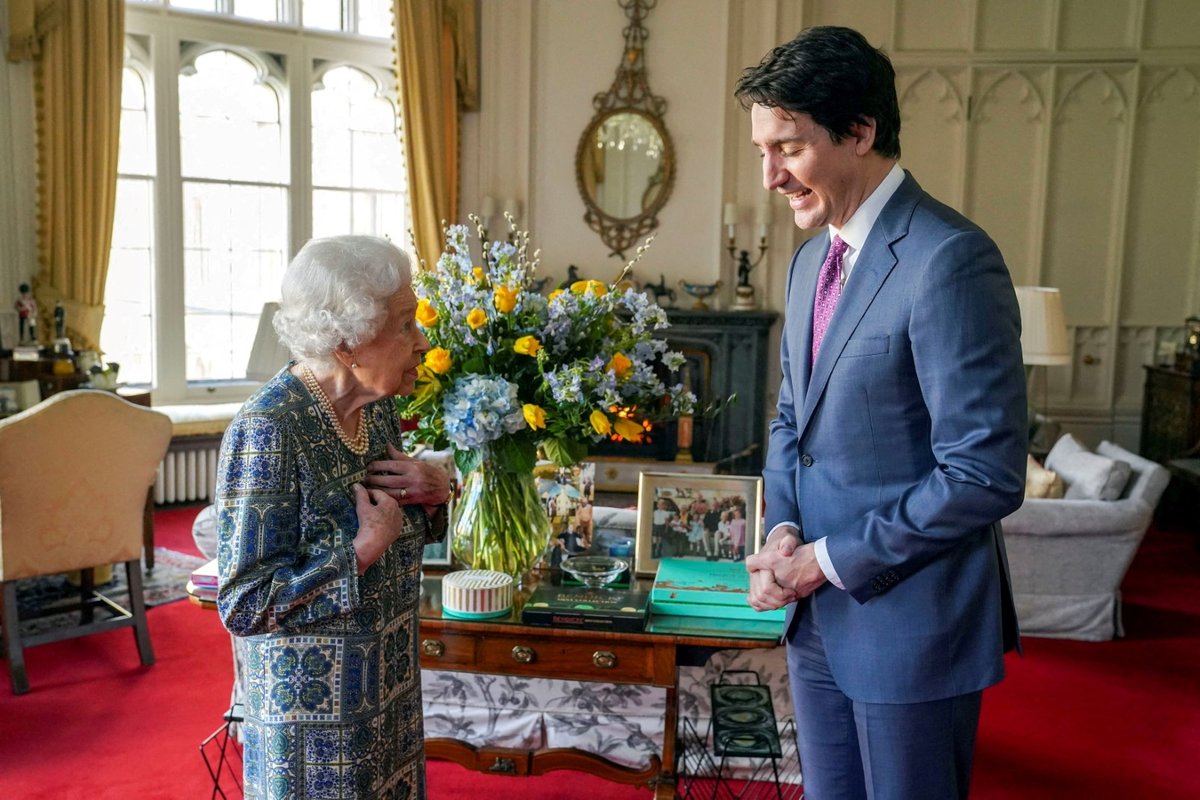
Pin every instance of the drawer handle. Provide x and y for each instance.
(433, 648)
(523, 655)
(604, 659)
(503, 766)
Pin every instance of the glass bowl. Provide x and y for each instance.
(594, 571)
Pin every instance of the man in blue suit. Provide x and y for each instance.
(900, 439)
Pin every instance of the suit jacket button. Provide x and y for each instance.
(806, 460)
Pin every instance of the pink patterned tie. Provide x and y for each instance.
(829, 289)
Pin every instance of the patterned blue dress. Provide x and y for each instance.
(333, 690)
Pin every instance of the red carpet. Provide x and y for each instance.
(1073, 719)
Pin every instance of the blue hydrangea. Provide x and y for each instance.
(479, 409)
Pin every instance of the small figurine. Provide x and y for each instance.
(27, 311)
(572, 277)
(60, 320)
(663, 296)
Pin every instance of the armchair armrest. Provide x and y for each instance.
(1038, 517)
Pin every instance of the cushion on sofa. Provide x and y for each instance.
(1087, 476)
(1042, 483)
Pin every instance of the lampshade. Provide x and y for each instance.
(1043, 327)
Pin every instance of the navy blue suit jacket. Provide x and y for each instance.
(904, 444)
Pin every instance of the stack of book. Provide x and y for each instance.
(581, 607)
(698, 588)
(203, 584)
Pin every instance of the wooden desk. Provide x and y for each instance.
(504, 646)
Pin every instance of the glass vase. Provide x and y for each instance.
(500, 524)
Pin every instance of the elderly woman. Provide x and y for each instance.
(322, 521)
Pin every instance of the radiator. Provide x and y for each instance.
(187, 473)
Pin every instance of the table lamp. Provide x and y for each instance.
(1043, 332)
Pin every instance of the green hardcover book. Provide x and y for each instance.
(598, 609)
(698, 588)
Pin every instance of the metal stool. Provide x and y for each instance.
(220, 749)
(743, 725)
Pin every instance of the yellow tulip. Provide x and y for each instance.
(438, 360)
(595, 287)
(476, 319)
(630, 430)
(505, 299)
(527, 346)
(619, 364)
(600, 423)
(534, 415)
(477, 274)
(427, 315)
(554, 294)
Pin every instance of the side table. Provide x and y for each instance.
(1187, 472)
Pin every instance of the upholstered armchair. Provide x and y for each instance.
(1068, 556)
(74, 475)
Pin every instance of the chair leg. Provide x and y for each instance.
(13, 650)
(148, 529)
(137, 604)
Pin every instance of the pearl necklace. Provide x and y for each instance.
(362, 440)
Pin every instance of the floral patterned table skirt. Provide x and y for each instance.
(623, 723)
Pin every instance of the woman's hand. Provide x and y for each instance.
(380, 521)
(409, 481)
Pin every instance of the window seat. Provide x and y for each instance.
(200, 419)
(189, 470)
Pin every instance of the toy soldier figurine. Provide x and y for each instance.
(60, 320)
(27, 311)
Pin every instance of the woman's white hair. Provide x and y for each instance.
(335, 293)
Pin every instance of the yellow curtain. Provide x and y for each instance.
(437, 72)
(79, 52)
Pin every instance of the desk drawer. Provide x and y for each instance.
(447, 650)
(561, 658)
(540, 656)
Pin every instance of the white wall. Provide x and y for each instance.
(1084, 161)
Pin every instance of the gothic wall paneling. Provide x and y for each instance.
(1135, 347)
(1161, 259)
(872, 18)
(1087, 157)
(933, 119)
(1010, 26)
(1088, 25)
(937, 25)
(1006, 164)
(1171, 23)
(1090, 374)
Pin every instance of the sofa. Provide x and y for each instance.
(1068, 555)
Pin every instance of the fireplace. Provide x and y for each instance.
(726, 352)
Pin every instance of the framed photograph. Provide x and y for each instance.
(438, 555)
(9, 404)
(569, 493)
(698, 517)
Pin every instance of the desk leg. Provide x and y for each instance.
(665, 788)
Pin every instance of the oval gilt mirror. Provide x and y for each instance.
(625, 164)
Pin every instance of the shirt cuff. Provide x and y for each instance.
(777, 527)
(821, 551)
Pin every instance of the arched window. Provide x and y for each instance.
(357, 166)
(235, 181)
(128, 333)
(233, 153)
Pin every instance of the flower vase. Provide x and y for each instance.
(500, 524)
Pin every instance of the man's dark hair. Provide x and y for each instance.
(835, 76)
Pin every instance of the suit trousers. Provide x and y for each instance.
(852, 750)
